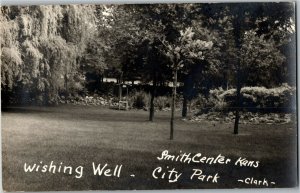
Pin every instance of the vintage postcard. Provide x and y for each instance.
(148, 96)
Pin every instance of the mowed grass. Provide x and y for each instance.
(78, 136)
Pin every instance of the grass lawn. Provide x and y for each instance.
(80, 135)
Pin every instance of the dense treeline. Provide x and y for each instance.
(42, 48)
(64, 50)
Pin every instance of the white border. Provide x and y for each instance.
(252, 190)
(45, 2)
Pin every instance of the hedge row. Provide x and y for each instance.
(255, 99)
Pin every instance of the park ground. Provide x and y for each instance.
(80, 135)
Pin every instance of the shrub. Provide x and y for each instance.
(255, 99)
(162, 102)
(201, 102)
(139, 100)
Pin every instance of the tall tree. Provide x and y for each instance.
(51, 40)
(187, 47)
(252, 22)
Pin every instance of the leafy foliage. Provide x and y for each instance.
(47, 51)
(255, 98)
(42, 46)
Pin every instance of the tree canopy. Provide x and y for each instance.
(51, 50)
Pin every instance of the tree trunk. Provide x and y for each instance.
(151, 114)
(173, 105)
(66, 87)
(238, 31)
(153, 93)
(187, 90)
(120, 92)
(120, 87)
(184, 106)
(237, 103)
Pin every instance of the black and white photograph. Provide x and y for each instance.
(149, 96)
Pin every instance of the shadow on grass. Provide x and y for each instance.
(86, 113)
(23, 110)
